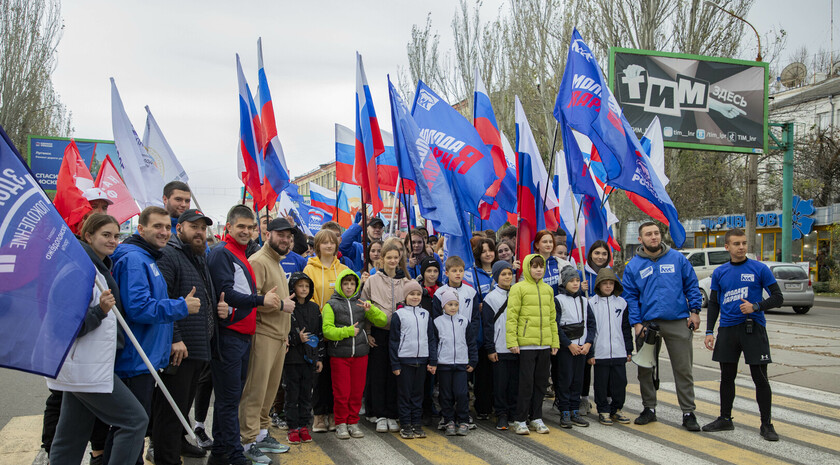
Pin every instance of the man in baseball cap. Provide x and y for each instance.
(98, 200)
(194, 215)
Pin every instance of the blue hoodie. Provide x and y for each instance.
(663, 286)
(148, 310)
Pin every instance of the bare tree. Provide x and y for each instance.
(29, 34)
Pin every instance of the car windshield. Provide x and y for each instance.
(718, 257)
(789, 272)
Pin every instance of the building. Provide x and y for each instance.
(323, 175)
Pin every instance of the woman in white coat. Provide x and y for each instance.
(91, 390)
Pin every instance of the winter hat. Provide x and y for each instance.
(567, 274)
(446, 296)
(412, 285)
(426, 263)
(500, 266)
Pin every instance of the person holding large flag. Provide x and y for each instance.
(93, 396)
(149, 311)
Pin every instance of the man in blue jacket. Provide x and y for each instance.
(149, 311)
(660, 287)
(351, 241)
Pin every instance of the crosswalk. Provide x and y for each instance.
(807, 420)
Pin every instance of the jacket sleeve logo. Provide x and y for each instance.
(646, 272)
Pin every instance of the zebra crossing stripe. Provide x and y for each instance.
(779, 400)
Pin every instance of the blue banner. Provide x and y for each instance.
(46, 278)
(45, 155)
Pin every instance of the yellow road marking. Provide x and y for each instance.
(788, 430)
(20, 440)
(309, 452)
(781, 401)
(578, 449)
(441, 449)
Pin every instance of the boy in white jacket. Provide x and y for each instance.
(505, 362)
(613, 347)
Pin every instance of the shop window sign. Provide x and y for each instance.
(803, 221)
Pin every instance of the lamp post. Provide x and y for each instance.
(751, 197)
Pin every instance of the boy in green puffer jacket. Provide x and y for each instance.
(348, 348)
(532, 333)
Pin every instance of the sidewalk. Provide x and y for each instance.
(827, 301)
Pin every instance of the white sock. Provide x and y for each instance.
(247, 446)
(199, 424)
(262, 435)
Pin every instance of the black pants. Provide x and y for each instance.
(202, 394)
(429, 409)
(51, 415)
(610, 381)
(229, 375)
(506, 384)
(298, 378)
(410, 383)
(143, 388)
(323, 396)
(454, 393)
(569, 379)
(167, 432)
(587, 380)
(381, 382)
(534, 368)
(483, 384)
(763, 394)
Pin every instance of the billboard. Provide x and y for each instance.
(46, 153)
(703, 103)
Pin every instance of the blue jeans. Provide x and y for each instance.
(229, 376)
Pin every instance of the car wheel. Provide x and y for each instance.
(705, 298)
(801, 310)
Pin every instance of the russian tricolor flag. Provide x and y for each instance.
(534, 213)
(369, 142)
(276, 172)
(386, 163)
(251, 170)
(348, 194)
(484, 120)
(322, 198)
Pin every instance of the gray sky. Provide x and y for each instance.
(178, 58)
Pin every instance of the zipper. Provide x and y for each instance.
(417, 325)
(454, 344)
(539, 300)
(353, 346)
(609, 312)
(526, 329)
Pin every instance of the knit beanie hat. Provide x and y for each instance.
(412, 285)
(446, 296)
(426, 263)
(567, 274)
(500, 266)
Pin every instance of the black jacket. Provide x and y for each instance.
(306, 316)
(182, 270)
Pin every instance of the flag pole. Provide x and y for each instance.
(580, 245)
(364, 232)
(393, 206)
(151, 369)
(550, 165)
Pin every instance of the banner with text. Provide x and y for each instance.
(46, 153)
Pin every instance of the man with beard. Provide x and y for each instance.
(283, 239)
(268, 348)
(176, 200)
(149, 309)
(233, 276)
(660, 288)
(184, 267)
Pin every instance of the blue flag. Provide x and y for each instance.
(457, 147)
(46, 278)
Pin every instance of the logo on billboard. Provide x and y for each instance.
(663, 96)
(701, 134)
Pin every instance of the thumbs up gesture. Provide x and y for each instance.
(193, 303)
(288, 305)
(271, 298)
(222, 307)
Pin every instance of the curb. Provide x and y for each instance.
(830, 302)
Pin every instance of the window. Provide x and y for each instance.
(697, 259)
(824, 120)
(789, 272)
(718, 257)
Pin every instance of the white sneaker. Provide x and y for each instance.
(382, 425)
(585, 406)
(519, 427)
(393, 426)
(341, 431)
(538, 426)
(355, 431)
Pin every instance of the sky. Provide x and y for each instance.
(179, 58)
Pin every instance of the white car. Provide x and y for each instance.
(793, 280)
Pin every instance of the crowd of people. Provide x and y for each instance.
(311, 335)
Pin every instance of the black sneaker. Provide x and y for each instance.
(482, 416)
(204, 441)
(566, 420)
(578, 420)
(720, 424)
(407, 433)
(418, 432)
(190, 450)
(502, 423)
(645, 417)
(690, 422)
(98, 460)
(768, 432)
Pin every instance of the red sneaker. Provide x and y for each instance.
(304, 435)
(294, 436)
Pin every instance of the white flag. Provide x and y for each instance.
(142, 177)
(159, 149)
(653, 134)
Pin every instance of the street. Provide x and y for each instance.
(806, 408)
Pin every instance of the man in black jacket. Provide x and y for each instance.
(184, 268)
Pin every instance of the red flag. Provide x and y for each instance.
(73, 179)
(109, 180)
